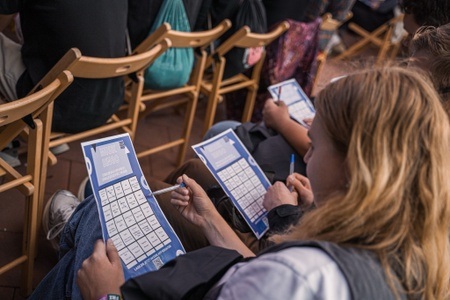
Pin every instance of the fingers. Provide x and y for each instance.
(112, 253)
(281, 103)
(195, 188)
(296, 176)
(99, 248)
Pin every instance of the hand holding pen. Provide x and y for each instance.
(192, 202)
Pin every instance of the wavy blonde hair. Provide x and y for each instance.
(396, 137)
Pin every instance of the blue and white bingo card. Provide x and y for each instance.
(299, 105)
(129, 213)
(239, 176)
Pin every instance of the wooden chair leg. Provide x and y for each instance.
(214, 95)
(31, 208)
(189, 121)
(249, 103)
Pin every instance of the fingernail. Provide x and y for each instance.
(110, 242)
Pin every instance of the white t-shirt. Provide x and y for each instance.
(292, 273)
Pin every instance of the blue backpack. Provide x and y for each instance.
(173, 68)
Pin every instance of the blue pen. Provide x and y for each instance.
(169, 189)
(291, 169)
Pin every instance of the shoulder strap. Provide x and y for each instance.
(363, 272)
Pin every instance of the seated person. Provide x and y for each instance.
(50, 29)
(272, 141)
(372, 199)
(424, 13)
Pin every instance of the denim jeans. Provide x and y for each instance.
(76, 244)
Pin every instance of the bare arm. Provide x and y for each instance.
(193, 203)
(276, 116)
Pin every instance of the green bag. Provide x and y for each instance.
(173, 68)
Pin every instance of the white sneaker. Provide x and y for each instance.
(60, 149)
(11, 157)
(57, 212)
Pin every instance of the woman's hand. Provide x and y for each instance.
(101, 273)
(303, 188)
(275, 114)
(278, 194)
(192, 202)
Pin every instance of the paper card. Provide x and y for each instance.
(239, 176)
(129, 214)
(299, 105)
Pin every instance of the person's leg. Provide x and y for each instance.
(195, 169)
(11, 67)
(220, 127)
(76, 244)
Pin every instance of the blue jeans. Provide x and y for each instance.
(220, 127)
(77, 244)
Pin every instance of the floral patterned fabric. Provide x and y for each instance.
(292, 55)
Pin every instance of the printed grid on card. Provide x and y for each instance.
(245, 187)
(130, 222)
(300, 111)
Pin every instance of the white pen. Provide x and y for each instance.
(169, 189)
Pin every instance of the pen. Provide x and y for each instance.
(279, 92)
(169, 189)
(291, 169)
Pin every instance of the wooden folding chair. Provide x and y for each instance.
(328, 24)
(216, 87)
(160, 99)
(37, 108)
(382, 37)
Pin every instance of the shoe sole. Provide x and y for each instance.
(82, 188)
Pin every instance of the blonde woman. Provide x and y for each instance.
(379, 172)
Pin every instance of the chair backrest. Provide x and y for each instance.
(244, 38)
(36, 102)
(180, 39)
(96, 67)
(33, 105)
(330, 24)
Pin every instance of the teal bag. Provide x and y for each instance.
(173, 68)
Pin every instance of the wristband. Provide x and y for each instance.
(110, 297)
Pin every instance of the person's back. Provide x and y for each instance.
(97, 28)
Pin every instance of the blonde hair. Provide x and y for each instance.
(396, 137)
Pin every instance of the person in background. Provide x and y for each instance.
(50, 29)
(142, 14)
(424, 13)
(294, 54)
